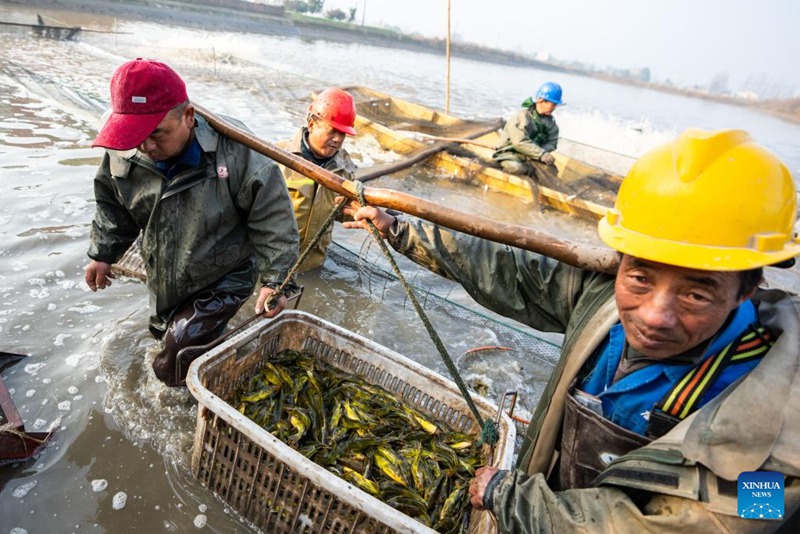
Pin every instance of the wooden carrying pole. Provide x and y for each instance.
(575, 254)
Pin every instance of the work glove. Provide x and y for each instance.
(547, 158)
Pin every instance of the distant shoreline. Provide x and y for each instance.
(216, 18)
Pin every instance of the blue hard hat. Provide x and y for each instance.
(551, 92)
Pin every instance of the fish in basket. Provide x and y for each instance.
(275, 486)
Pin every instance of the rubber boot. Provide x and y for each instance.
(200, 322)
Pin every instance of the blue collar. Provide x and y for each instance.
(189, 159)
(600, 380)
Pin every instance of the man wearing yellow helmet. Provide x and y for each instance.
(331, 117)
(677, 374)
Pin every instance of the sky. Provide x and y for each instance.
(686, 41)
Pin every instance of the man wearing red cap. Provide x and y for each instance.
(215, 217)
(331, 116)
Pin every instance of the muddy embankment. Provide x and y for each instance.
(216, 18)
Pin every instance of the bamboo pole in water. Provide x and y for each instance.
(575, 254)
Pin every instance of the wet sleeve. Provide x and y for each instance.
(527, 287)
(271, 224)
(113, 227)
(519, 130)
(525, 504)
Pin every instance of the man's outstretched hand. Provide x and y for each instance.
(382, 220)
(98, 275)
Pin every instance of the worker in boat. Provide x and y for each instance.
(531, 134)
(676, 375)
(331, 117)
(216, 217)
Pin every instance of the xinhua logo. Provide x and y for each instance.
(761, 495)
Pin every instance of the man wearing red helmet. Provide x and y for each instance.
(215, 217)
(330, 118)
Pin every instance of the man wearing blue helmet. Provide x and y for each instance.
(531, 134)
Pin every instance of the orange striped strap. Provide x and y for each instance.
(682, 399)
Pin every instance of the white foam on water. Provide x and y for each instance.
(99, 484)
(17, 530)
(72, 390)
(85, 309)
(149, 412)
(77, 206)
(74, 359)
(23, 489)
(59, 341)
(51, 306)
(30, 393)
(65, 406)
(200, 520)
(202, 508)
(39, 294)
(366, 151)
(56, 423)
(119, 500)
(33, 368)
(38, 424)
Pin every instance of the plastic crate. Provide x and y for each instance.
(279, 490)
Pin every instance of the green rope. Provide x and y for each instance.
(489, 434)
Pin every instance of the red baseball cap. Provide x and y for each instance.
(142, 93)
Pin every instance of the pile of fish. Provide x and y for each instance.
(366, 436)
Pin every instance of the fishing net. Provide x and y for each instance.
(517, 359)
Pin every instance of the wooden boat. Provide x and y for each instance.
(571, 186)
(16, 443)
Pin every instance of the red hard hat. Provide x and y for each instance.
(336, 107)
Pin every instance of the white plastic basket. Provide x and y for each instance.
(276, 488)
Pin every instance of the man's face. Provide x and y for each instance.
(545, 107)
(667, 310)
(171, 136)
(323, 139)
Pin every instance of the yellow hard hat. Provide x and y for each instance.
(709, 200)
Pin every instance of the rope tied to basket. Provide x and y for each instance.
(489, 434)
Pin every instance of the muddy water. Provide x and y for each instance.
(119, 457)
